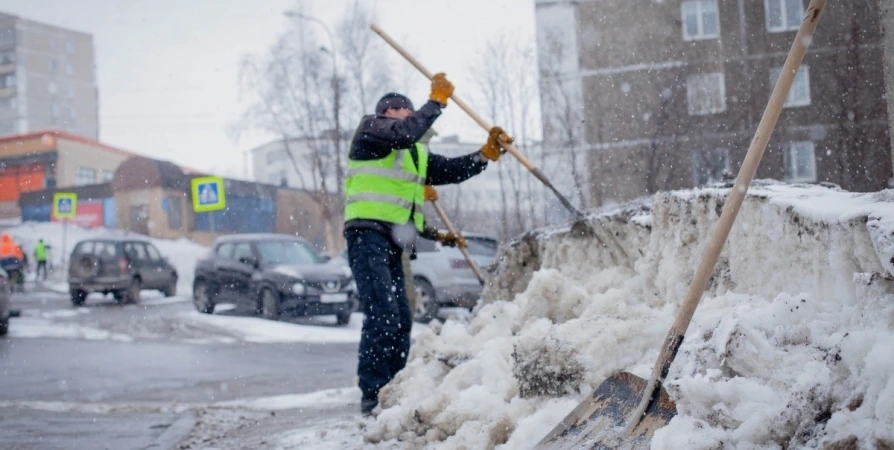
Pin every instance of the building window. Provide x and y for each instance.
(7, 36)
(700, 20)
(276, 156)
(85, 176)
(7, 126)
(69, 69)
(106, 175)
(51, 87)
(71, 90)
(705, 94)
(174, 209)
(52, 65)
(783, 15)
(799, 95)
(710, 166)
(800, 162)
(7, 57)
(9, 81)
(69, 47)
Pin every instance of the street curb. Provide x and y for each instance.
(176, 433)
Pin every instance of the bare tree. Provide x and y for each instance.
(506, 78)
(563, 118)
(288, 91)
(368, 74)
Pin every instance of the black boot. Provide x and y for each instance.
(367, 406)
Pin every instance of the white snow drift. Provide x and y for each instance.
(792, 345)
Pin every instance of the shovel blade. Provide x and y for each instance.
(599, 421)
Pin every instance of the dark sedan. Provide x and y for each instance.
(273, 274)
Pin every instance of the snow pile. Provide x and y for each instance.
(791, 347)
(182, 253)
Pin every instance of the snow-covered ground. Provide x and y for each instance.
(791, 347)
(182, 253)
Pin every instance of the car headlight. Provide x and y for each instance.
(352, 286)
(298, 289)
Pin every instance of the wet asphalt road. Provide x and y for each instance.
(70, 392)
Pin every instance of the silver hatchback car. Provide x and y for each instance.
(443, 277)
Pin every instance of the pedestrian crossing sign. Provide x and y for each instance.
(65, 205)
(208, 194)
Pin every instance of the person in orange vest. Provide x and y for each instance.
(12, 259)
(10, 252)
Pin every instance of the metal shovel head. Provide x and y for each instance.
(598, 423)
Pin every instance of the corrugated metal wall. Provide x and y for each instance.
(242, 215)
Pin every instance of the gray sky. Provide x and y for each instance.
(167, 69)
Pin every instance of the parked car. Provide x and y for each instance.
(273, 274)
(442, 275)
(120, 266)
(4, 303)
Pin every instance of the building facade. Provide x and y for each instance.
(669, 94)
(47, 79)
(49, 159)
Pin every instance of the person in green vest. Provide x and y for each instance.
(388, 168)
(40, 255)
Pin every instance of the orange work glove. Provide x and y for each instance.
(492, 149)
(451, 240)
(430, 193)
(441, 89)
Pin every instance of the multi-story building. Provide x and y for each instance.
(47, 79)
(668, 94)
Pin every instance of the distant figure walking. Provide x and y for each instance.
(40, 255)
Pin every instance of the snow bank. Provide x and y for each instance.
(792, 346)
(182, 253)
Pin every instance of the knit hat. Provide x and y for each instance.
(393, 100)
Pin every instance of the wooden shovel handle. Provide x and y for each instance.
(731, 208)
(510, 148)
(462, 248)
(459, 102)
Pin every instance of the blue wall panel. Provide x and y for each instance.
(242, 215)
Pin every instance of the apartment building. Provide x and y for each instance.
(47, 79)
(668, 94)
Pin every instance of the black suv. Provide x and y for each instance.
(273, 274)
(121, 266)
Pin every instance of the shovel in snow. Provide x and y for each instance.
(625, 411)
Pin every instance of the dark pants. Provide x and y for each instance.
(41, 265)
(385, 339)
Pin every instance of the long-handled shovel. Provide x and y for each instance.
(431, 195)
(509, 147)
(599, 421)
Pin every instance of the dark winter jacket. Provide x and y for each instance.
(377, 136)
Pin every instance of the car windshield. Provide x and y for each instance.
(285, 253)
(482, 246)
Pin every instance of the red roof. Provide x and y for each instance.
(74, 137)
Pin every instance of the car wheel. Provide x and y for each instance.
(426, 301)
(132, 294)
(78, 298)
(269, 306)
(171, 289)
(4, 326)
(343, 318)
(201, 298)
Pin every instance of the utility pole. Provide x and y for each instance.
(336, 100)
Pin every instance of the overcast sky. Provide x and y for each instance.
(167, 69)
